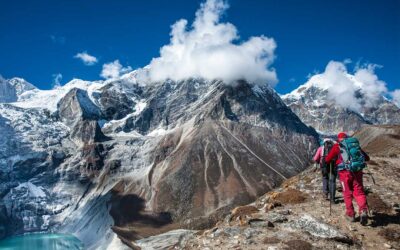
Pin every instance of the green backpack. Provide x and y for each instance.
(353, 158)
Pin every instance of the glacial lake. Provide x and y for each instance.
(39, 241)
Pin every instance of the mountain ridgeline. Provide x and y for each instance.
(98, 159)
(314, 106)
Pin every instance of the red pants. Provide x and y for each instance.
(352, 183)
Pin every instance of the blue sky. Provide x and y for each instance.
(39, 39)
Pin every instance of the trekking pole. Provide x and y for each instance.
(373, 180)
(330, 188)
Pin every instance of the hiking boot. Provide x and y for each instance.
(326, 196)
(350, 218)
(364, 218)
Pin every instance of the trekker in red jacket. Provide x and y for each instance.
(352, 183)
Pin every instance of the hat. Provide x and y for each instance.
(342, 135)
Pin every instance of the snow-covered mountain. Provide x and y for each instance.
(12, 89)
(77, 158)
(317, 105)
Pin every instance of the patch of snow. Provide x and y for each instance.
(48, 99)
(46, 222)
(125, 134)
(34, 191)
(158, 132)
(257, 90)
(139, 107)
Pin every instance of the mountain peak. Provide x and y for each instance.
(341, 103)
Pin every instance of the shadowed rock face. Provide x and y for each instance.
(79, 113)
(75, 106)
(115, 104)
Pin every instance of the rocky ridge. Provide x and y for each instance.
(296, 216)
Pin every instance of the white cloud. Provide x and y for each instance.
(396, 97)
(372, 87)
(113, 70)
(210, 49)
(86, 58)
(57, 80)
(340, 87)
(344, 88)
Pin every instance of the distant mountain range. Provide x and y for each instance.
(314, 106)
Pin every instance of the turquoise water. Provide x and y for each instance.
(41, 242)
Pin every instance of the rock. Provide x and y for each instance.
(236, 241)
(352, 228)
(317, 228)
(260, 223)
(76, 105)
(276, 217)
(272, 205)
(210, 231)
(79, 113)
(165, 240)
(87, 132)
(250, 232)
(284, 212)
(387, 246)
(230, 231)
(114, 103)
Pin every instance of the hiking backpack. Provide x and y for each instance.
(353, 158)
(327, 148)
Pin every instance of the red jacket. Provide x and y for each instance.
(335, 154)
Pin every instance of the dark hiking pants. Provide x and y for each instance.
(329, 187)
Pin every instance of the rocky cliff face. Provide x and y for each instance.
(187, 151)
(311, 102)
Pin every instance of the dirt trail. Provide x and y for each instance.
(296, 216)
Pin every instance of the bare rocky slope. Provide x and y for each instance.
(127, 159)
(295, 215)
